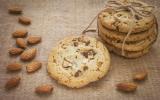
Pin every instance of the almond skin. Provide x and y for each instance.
(21, 43)
(15, 51)
(24, 20)
(126, 86)
(14, 67)
(12, 82)
(140, 76)
(15, 9)
(21, 33)
(33, 66)
(28, 54)
(44, 89)
(34, 39)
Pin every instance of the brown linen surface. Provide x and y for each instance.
(54, 20)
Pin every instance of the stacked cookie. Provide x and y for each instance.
(113, 27)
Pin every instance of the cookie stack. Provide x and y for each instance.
(113, 27)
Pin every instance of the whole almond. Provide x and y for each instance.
(14, 66)
(34, 39)
(33, 66)
(15, 51)
(126, 86)
(15, 9)
(140, 76)
(12, 82)
(21, 43)
(44, 89)
(20, 33)
(24, 20)
(28, 54)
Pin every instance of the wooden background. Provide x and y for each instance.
(54, 20)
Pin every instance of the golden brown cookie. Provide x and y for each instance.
(121, 20)
(135, 46)
(120, 36)
(127, 54)
(78, 60)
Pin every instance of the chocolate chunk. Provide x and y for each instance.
(87, 53)
(97, 69)
(66, 63)
(93, 52)
(77, 73)
(138, 17)
(87, 43)
(75, 44)
(67, 66)
(54, 60)
(85, 68)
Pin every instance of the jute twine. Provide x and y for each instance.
(139, 10)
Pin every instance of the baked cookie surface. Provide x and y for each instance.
(121, 20)
(135, 46)
(127, 54)
(78, 60)
(120, 36)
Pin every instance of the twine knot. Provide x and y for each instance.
(133, 7)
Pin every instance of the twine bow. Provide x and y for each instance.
(136, 9)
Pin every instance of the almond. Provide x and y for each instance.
(20, 33)
(140, 76)
(14, 66)
(34, 39)
(21, 43)
(28, 54)
(127, 87)
(15, 9)
(12, 82)
(44, 89)
(15, 51)
(33, 66)
(24, 20)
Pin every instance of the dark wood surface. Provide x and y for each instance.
(54, 20)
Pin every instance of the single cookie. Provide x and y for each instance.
(135, 46)
(78, 60)
(121, 20)
(115, 35)
(127, 54)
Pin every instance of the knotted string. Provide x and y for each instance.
(135, 9)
